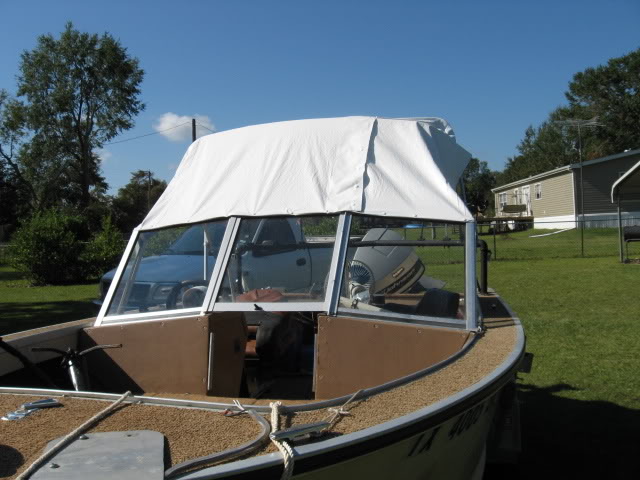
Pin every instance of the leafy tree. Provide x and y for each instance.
(478, 181)
(79, 91)
(610, 92)
(543, 148)
(9, 199)
(136, 198)
(607, 92)
(12, 181)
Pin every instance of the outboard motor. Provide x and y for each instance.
(383, 269)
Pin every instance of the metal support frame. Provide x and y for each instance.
(339, 255)
(331, 303)
(620, 230)
(116, 278)
(221, 264)
(484, 267)
(470, 289)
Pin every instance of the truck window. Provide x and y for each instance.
(276, 231)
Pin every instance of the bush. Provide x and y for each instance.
(47, 248)
(103, 251)
(50, 248)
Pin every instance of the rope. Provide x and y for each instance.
(230, 454)
(284, 447)
(69, 438)
(338, 413)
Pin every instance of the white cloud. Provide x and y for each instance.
(104, 154)
(177, 128)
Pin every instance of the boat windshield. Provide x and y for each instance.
(168, 269)
(279, 259)
(399, 266)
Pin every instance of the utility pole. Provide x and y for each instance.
(148, 190)
(193, 130)
(577, 122)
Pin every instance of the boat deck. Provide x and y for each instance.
(194, 432)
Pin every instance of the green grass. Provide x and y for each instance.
(23, 307)
(581, 402)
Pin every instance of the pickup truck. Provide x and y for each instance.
(271, 254)
(277, 255)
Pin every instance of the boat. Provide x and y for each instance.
(302, 302)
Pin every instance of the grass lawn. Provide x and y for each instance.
(581, 402)
(23, 307)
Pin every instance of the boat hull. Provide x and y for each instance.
(446, 439)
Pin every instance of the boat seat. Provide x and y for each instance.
(438, 303)
(271, 335)
(433, 303)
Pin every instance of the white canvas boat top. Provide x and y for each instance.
(375, 166)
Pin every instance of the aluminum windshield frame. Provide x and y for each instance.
(338, 249)
(330, 304)
(104, 319)
(472, 317)
(116, 278)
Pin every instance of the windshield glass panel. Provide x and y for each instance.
(280, 259)
(168, 269)
(403, 266)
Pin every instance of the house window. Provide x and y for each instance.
(516, 196)
(502, 198)
(537, 188)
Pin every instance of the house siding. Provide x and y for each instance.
(561, 198)
(557, 196)
(598, 180)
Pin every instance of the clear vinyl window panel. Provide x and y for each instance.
(280, 259)
(406, 267)
(168, 269)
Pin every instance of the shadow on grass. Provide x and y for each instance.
(11, 276)
(568, 438)
(16, 317)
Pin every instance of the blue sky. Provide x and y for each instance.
(490, 68)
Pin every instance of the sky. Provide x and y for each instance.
(490, 68)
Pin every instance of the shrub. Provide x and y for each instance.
(47, 248)
(103, 251)
(50, 248)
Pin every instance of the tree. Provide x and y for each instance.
(9, 199)
(9, 183)
(608, 92)
(79, 91)
(543, 148)
(478, 182)
(136, 198)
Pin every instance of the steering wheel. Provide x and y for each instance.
(188, 293)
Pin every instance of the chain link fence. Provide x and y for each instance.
(518, 240)
(523, 241)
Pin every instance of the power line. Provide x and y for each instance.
(156, 133)
(149, 134)
(206, 128)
